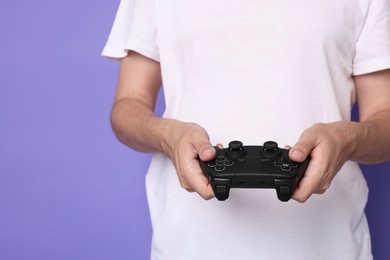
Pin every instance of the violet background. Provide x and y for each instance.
(68, 188)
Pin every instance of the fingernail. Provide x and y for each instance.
(298, 153)
(210, 150)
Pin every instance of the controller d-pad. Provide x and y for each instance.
(285, 167)
(285, 164)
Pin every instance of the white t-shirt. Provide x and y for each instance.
(257, 71)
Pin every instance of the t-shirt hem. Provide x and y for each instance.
(371, 66)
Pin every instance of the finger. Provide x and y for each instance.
(220, 146)
(205, 150)
(287, 147)
(186, 180)
(202, 186)
(197, 181)
(303, 147)
(207, 193)
(309, 184)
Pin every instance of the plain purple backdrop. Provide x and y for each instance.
(68, 188)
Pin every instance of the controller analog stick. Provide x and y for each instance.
(236, 148)
(270, 149)
(271, 146)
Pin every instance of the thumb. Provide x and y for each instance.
(303, 147)
(205, 150)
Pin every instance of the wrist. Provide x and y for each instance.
(364, 143)
(358, 133)
(348, 136)
(161, 130)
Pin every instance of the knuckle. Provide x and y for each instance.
(183, 182)
(325, 186)
(206, 193)
(301, 197)
(207, 196)
(304, 147)
(181, 174)
(310, 130)
(318, 125)
(184, 185)
(204, 145)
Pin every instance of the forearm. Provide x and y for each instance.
(373, 139)
(136, 126)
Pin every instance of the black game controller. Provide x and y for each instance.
(266, 166)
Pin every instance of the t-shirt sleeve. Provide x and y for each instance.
(134, 29)
(372, 51)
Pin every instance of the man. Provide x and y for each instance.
(255, 71)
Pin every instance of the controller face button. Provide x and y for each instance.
(219, 167)
(221, 158)
(228, 163)
(212, 164)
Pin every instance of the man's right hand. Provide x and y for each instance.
(185, 143)
(135, 124)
